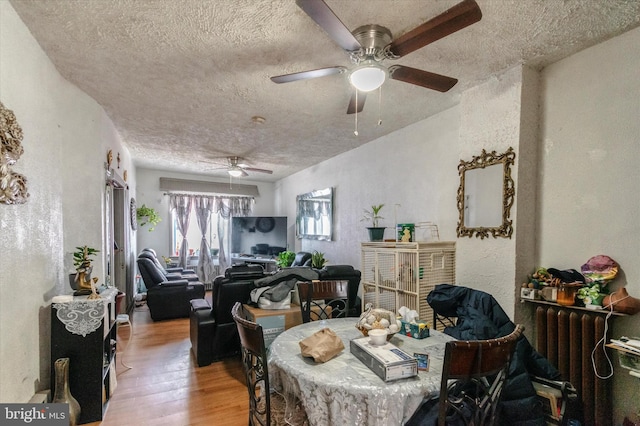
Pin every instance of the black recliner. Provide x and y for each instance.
(168, 295)
(212, 331)
(176, 272)
(302, 258)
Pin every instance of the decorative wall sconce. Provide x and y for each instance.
(13, 186)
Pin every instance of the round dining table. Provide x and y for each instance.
(343, 390)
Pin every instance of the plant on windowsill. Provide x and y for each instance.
(317, 260)
(147, 215)
(376, 233)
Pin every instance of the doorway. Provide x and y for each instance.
(118, 242)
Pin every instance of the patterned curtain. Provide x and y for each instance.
(227, 207)
(204, 207)
(181, 204)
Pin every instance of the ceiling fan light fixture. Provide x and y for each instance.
(368, 76)
(235, 172)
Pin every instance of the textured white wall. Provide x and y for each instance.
(66, 135)
(414, 167)
(589, 180)
(491, 120)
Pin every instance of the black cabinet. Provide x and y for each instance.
(84, 331)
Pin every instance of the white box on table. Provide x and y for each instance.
(387, 361)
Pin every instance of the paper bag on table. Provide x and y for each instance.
(321, 345)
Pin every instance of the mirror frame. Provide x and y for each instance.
(326, 193)
(486, 159)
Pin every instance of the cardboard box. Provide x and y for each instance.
(387, 361)
(275, 321)
(292, 316)
(529, 293)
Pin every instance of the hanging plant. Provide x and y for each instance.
(147, 215)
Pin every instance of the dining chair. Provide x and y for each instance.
(473, 376)
(323, 299)
(440, 322)
(266, 408)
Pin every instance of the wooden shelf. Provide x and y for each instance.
(573, 308)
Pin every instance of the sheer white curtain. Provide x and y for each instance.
(203, 206)
(227, 207)
(181, 204)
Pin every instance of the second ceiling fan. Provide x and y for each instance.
(369, 45)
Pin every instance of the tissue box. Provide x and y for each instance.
(419, 330)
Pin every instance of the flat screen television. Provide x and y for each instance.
(260, 236)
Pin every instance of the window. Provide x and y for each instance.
(194, 236)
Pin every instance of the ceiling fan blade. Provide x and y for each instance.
(322, 72)
(252, 169)
(430, 80)
(456, 18)
(362, 96)
(333, 26)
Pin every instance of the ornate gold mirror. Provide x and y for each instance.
(485, 195)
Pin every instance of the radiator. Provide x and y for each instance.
(566, 337)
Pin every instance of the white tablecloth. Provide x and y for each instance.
(344, 391)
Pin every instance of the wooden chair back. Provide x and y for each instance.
(254, 360)
(473, 377)
(323, 299)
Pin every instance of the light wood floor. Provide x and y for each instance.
(165, 386)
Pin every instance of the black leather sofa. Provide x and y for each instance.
(214, 334)
(168, 295)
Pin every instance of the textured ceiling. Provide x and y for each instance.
(182, 80)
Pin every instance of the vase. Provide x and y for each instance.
(376, 233)
(62, 394)
(622, 302)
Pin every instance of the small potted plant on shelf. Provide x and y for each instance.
(82, 281)
(317, 260)
(147, 215)
(376, 232)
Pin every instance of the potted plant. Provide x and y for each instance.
(317, 260)
(376, 233)
(82, 258)
(147, 215)
(285, 259)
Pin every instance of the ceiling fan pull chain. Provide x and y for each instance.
(355, 132)
(380, 106)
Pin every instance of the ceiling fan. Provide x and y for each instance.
(237, 168)
(369, 45)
